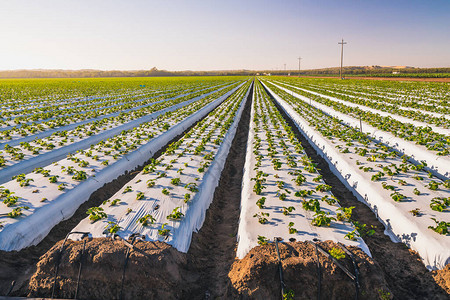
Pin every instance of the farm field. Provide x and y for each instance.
(224, 187)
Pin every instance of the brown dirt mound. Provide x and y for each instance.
(157, 274)
(442, 278)
(257, 276)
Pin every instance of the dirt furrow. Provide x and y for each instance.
(213, 248)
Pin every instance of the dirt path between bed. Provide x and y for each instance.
(213, 248)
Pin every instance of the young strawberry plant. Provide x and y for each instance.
(261, 216)
(145, 220)
(96, 213)
(287, 210)
(175, 181)
(176, 214)
(17, 212)
(112, 227)
(441, 226)
(397, 197)
(79, 176)
(260, 202)
(322, 219)
(312, 205)
(337, 253)
(345, 213)
(262, 240)
(440, 204)
(291, 228)
(164, 231)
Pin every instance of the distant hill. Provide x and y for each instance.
(87, 73)
(154, 72)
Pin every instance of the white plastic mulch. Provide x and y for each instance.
(277, 223)
(401, 224)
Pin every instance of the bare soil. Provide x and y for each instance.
(406, 275)
(442, 277)
(213, 248)
(158, 271)
(256, 276)
(153, 272)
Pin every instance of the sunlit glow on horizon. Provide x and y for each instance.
(221, 35)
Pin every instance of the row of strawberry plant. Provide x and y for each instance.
(167, 201)
(26, 93)
(411, 202)
(428, 105)
(47, 111)
(84, 135)
(420, 95)
(433, 141)
(49, 194)
(439, 123)
(438, 163)
(52, 110)
(32, 127)
(59, 146)
(283, 194)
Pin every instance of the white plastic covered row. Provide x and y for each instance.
(400, 224)
(439, 164)
(277, 225)
(19, 139)
(161, 205)
(27, 165)
(32, 229)
(400, 118)
(332, 90)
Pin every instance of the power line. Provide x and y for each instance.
(342, 43)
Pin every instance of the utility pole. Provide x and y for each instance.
(342, 43)
(285, 69)
(299, 59)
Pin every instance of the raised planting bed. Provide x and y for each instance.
(421, 144)
(283, 195)
(168, 200)
(437, 122)
(51, 194)
(409, 201)
(43, 151)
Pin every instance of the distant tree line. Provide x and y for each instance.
(154, 72)
(376, 71)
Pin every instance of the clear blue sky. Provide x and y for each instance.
(217, 35)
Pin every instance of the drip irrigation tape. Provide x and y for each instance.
(79, 270)
(59, 256)
(319, 273)
(280, 268)
(355, 266)
(131, 247)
